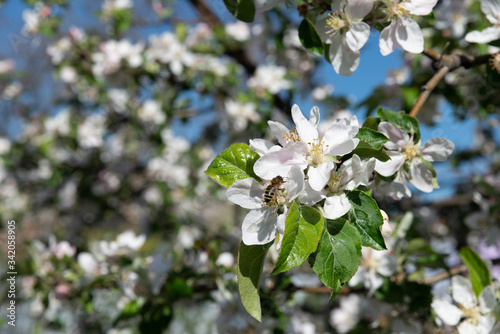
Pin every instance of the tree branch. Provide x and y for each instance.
(444, 64)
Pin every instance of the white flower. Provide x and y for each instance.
(151, 111)
(7, 66)
(347, 316)
(110, 6)
(241, 113)
(269, 77)
(238, 31)
(112, 53)
(490, 8)
(91, 131)
(310, 151)
(62, 249)
(5, 145)
(225, 259)
(478, 316)
(375, 265)
(346, 34)
(68, 74)
(452, 15)
(402, 149)
(167, 49)
(266, 220)
(404, 30)
(58, 50)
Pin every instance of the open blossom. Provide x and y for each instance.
(307, 150)
(167, 49)
(404, 30)
(266, 219)
(241, 113)
(402, 149)
(271, 78)
(490, 8)
(477, 317)
(346, 34)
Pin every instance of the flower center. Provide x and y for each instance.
(316, 154)
(334, 23)
(472, 314)
(334, 181)
(411, 151)
(399, 10)
(292, 135)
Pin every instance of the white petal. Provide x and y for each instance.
(449, 313)
(423, 7)
(336, 206)
(491, 8)
(358, 9)
(437, 149)
(487, 300)
(314, 116)
(87, 262)
(409, 35)
(391, 166)
(395, 190)
(462, 292)
(307, 132)
(421, 176)
(278, 130)
(294, 182)
(387, 265)
(489, 34)
(387, 41)
(357, 36)
(247, 193)
(340, 136)
(398, 138)
(309, 196)
(356, 172)
(259, 227)
(344, 60)
(260, 146)
(280, 162)
(323, 31)
(319, 176)
(485, 324)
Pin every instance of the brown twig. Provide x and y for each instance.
(444, 64)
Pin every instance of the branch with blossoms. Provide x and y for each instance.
(311, 193)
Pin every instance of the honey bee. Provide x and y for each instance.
(272, 188)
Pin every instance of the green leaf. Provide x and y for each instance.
(371, 123)
(366, 217)
(365, 151)
(401, 120)
(233, 164)
(338, 255)
(479, 271)
(243, 10)
(310, 38)
(250, 263)
(374, 138)
(303, 229)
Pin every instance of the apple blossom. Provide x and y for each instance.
(310, 151)
(478, 315)
(266, 220)
(346, 34)
(403, 29)
(490, 8)
(403, 150)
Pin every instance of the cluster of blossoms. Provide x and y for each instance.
(306, 166)
(346, 33)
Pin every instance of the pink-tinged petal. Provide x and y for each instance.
(335, 5)
(247, 193)
(344, 60)
(489, 34)
(358, 9)
(388, 42)
(487, 300)
(259, 227)
(336, 206)
(421, 176)
(437, 149)
(391, 166)
(307, 132)
(309, 196)
(491, 8)
(422, 7)
(449, 313)
(294, 182)
(357, 35)
(314, 116)
(261, 146)
(398, 139)
(462, 293)
(278, 131)
(319, 176)
(280, 162)
(409, 35)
